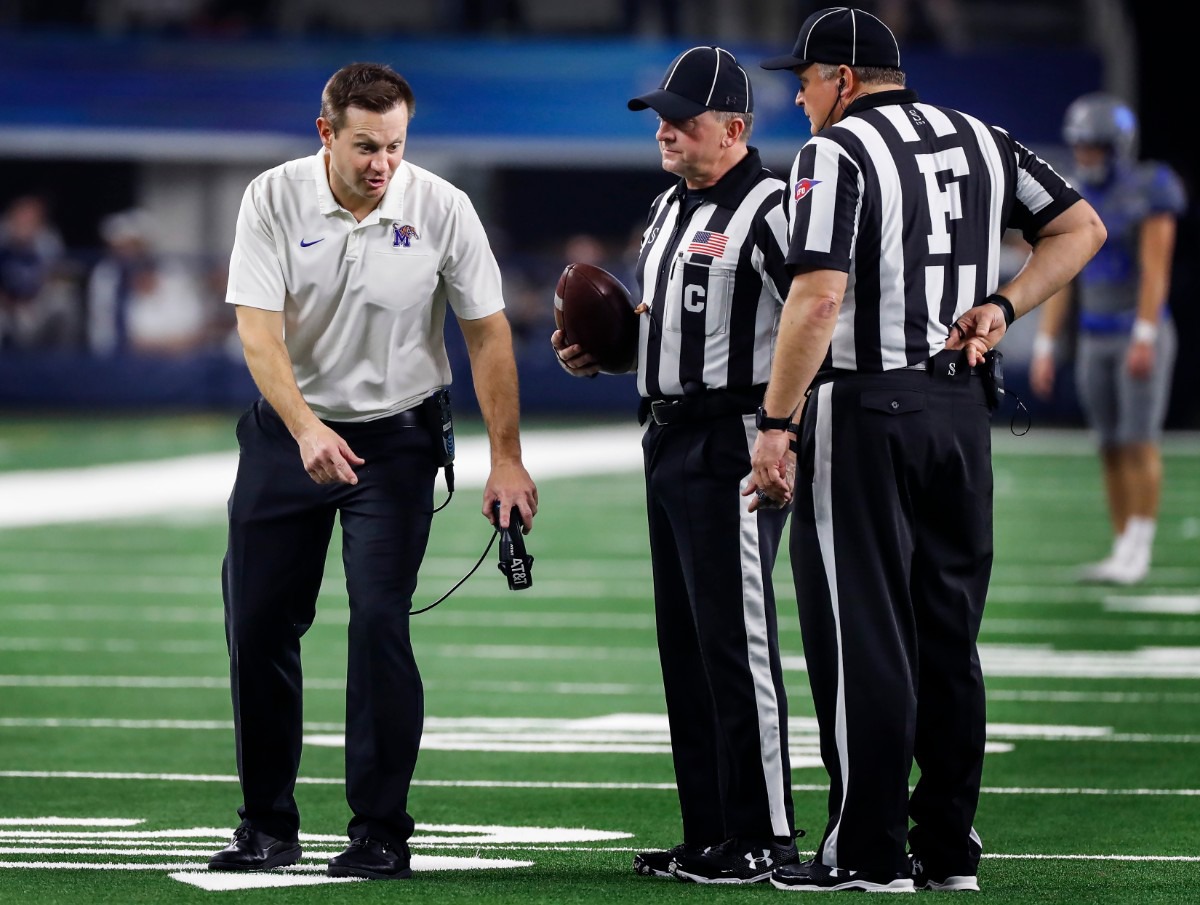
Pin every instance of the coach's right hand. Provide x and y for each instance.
(327, 457)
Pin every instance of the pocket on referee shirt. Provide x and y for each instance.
(702, 296)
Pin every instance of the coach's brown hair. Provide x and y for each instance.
(370, 86)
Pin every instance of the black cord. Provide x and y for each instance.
(449, 467)
(486, 550)
(1013, 421)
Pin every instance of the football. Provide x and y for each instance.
(594, 310)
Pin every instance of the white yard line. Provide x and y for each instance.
(202, 483)
(545, 784)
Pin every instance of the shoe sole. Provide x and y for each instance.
(859, 885)
(283, 859)
(363, 874)
(643, 869)
(726, 881)
(953, 884)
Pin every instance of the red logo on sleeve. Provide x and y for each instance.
(804, 186)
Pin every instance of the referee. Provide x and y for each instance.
(711, 277)
(896, 213)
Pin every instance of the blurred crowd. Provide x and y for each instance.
(126, 298)
(129, 298)
(952, 24)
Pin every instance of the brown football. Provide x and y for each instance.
(595, 311)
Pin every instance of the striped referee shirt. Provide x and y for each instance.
(714, 280)
(911, 201)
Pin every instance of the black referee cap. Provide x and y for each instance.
(841, 34)
(699, 79)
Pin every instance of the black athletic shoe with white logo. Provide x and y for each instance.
(813, 876)
(658, 863)
(735, 861)
(924, 879)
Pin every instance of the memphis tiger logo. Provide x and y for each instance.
(403, 235)
(804, 186)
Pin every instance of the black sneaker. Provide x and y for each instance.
(734, 861)
(813, 876)
(922, 879)
(658, 864)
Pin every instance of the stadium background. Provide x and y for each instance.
(171, 106)
(545, 748)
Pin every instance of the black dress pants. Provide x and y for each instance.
(280, 524)
(717, 632)
(891, 549)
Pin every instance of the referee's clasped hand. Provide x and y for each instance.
(572, 358)
(977, 331)
(773, 471)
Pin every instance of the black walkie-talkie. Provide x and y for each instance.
(515, 563)
(992, 372)
(439, 421)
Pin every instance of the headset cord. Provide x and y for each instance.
(1012, 424)
(449, 488)
(482, 557)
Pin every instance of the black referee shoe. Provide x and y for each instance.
(735, 861)
(658, 863)
(939, 882)
(813, 876)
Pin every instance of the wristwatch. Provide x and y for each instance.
(766, 423)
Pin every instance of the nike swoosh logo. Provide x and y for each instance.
(304, 244)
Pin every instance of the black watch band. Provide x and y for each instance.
(765, 423)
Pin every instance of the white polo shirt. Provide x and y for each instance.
(364, 304)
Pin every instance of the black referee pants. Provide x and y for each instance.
(280, 524)
(891, 548)
(717, 633)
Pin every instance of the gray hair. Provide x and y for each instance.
(868, 75)
(725, 117)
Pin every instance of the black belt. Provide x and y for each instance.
(407, 418)
(925, 366)
(700, 407)
(410, 418)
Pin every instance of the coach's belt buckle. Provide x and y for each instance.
(661, 410)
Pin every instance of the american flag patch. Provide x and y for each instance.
(708, 243)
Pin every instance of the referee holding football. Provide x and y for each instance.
(711, 277)
(896, 214)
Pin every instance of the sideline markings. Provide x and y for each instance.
(536, 784)
(68, 821)
(1183, 604)
(541, 689)
(168, 487)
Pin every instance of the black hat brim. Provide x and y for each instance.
(667, 105)
(784, 62)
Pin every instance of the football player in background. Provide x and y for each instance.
(1126, 341)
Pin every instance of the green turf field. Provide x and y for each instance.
(546, 763)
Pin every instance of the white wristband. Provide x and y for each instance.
(1144, 331)
(1043, 345)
